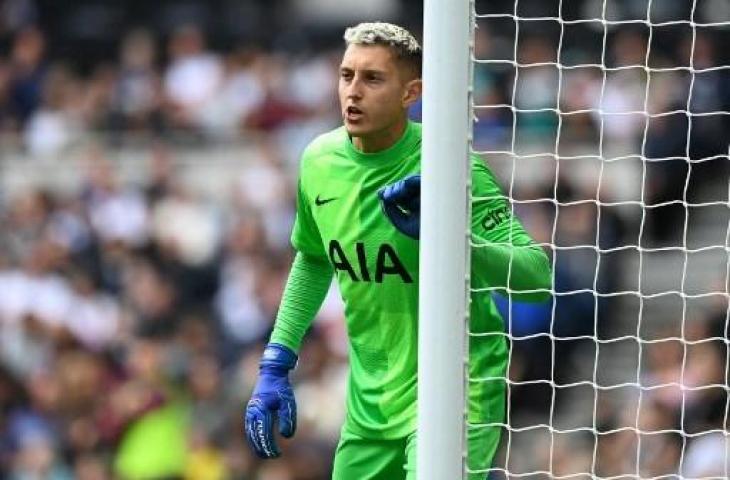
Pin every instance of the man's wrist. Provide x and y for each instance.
(278, 356)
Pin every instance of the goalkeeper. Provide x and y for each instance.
(358, 219)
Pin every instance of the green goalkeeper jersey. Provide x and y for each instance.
(339, 218)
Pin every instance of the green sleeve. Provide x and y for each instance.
(305, 235)
(309, 280)
(503, 254)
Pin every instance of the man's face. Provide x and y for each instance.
(374, 90)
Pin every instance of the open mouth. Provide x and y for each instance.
(353, 113)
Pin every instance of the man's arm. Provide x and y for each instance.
(522, 271)
(309, 278)
(306, 287)
(273, 397)
(504, 257)
(503, 254)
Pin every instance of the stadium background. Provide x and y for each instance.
(147, 170)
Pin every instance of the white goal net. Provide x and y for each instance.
(608, 123)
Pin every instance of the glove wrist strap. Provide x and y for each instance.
(278, 356)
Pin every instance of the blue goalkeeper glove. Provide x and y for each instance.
(401, 203)
(272, 398)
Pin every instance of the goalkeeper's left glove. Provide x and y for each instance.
(401, 203)
(272, 399)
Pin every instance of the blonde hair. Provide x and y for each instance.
(401, 41)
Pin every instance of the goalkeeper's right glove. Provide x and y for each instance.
(272, 398)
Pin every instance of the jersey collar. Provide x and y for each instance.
(402, 148)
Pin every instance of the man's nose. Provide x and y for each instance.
(354, 89)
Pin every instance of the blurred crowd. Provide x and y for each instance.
(133, 313)
(195, 95)
(132, 320)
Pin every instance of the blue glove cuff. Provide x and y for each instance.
(278, 356)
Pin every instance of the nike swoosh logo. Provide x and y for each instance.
(321, 201)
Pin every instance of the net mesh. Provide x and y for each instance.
(608, 125)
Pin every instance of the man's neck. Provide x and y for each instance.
(381, 140)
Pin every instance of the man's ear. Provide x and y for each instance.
(412, 92)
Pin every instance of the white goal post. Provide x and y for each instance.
(444, 284)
